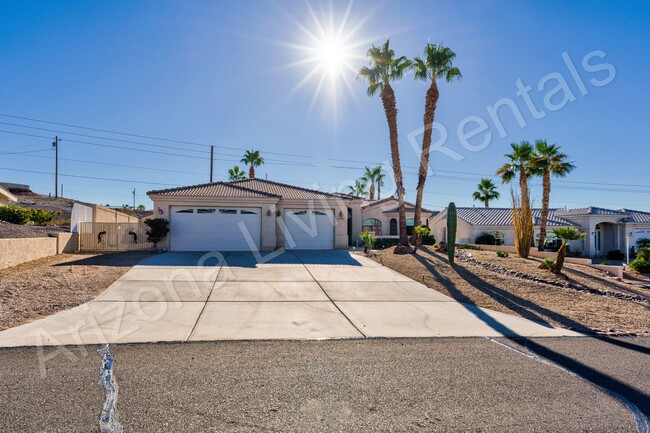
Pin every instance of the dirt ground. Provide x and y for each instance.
(544, 303)
(42, 287)
(13, 231)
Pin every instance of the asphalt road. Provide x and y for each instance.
(398, 385)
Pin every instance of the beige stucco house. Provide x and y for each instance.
(381, 217)
(606, 229)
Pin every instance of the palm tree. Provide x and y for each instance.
(379, 179)
(549, 161)
(359, 188)
(566, 234)
(384, 68)
(438, 63)
(486, 192)
(252, 158)
(375, 177)
(236, 173)
(520, 161)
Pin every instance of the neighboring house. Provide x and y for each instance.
(381, 217)
(6, 197)
(256, 214)
(606, 229)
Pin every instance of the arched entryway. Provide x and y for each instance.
(604, 238)
(393, 227)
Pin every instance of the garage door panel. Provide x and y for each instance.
(309, 229)
(214, 228)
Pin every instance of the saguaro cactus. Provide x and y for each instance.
(451, 231)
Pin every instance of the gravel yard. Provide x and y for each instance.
(13, 231)
(535, 301)
(42, 287)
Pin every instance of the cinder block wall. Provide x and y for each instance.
(16, 251)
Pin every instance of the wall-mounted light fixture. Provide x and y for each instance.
(160, 211)
(268, 212)
(277, 213)
(340, 214)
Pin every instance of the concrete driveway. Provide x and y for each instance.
(289, 295)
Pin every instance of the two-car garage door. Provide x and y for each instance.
(214, 228)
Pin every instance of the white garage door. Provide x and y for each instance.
(214, 228)
(309, 229)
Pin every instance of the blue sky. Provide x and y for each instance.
(226, 73)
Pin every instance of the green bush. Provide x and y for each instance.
(41, 216)
(428, 240)
(14, 214)
(158, 229)
(486, 239)
(467, 247)
(641, 265)
(643, 254)
(502, 254)
(383, 243)
(615, 255)
(643, 242)
(368, 239)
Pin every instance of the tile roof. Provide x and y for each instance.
(636, 216)
(410, 207)
(503, 217)
(590, 211)
(250, 188)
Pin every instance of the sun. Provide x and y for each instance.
(329, 50)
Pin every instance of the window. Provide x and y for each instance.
(185, 211)
(228, 211)
(372, 225)
(248, 212)
(409, 222)
(300, 212)
(393, 227)
(317, 212)
(206, 210)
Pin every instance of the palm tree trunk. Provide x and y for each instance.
(390, 109)
(372, 191)
(430, 103)
(546, 194)
(379, 191)
(559, 261)
(251, 172)
(487, 203)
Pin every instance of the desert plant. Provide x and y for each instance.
(615, 255)
(384, 68)
(546, 264)
(486, 191)
(42, 216)
(486, 239)
(566, 234)
(548, 161)
(420, 232)
(436, 64)
(368, 240)
(522, 222)
(643, 242)
(451, 231)
(502, 254)
(14, 214)
(158, 229)
(253, 159)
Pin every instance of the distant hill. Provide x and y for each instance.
(34, 200)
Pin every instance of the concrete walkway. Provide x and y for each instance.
(290, 295)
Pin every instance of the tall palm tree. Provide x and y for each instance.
(359, 188)
(520, 162)
(379, 179)
(384, 68)
(437, 63)
(253, 159)
(236, 173)
(486, 191)
(550, 162)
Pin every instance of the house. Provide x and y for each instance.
(6, 196)
(258, 215)
(381, 217)
(606, 229)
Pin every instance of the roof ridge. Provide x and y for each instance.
(286, 185)
(202, 185)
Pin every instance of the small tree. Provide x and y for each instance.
(158, 229)
(368, 240)
(420, 233)
(566, 234)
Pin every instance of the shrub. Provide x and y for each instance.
(467, 247)
(615, 255)
(436, 246)
(643, 254)
(368, 239)
(14, 214)
(158, 229)
(641, 265)
(386, 243)
(643, 242)
(41, 216)
(547, 264)
(502, 254)
(486, 239)
(428, 240)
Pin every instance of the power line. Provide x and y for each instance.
(89, 177)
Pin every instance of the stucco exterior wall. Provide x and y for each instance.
(103, 214)
(16, 251)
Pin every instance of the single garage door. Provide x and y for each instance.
(309, 229)
(214, 228)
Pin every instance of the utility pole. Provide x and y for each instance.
(211, 161)
(133, 198)
(56, 166)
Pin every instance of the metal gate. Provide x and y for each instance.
(113, 236)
